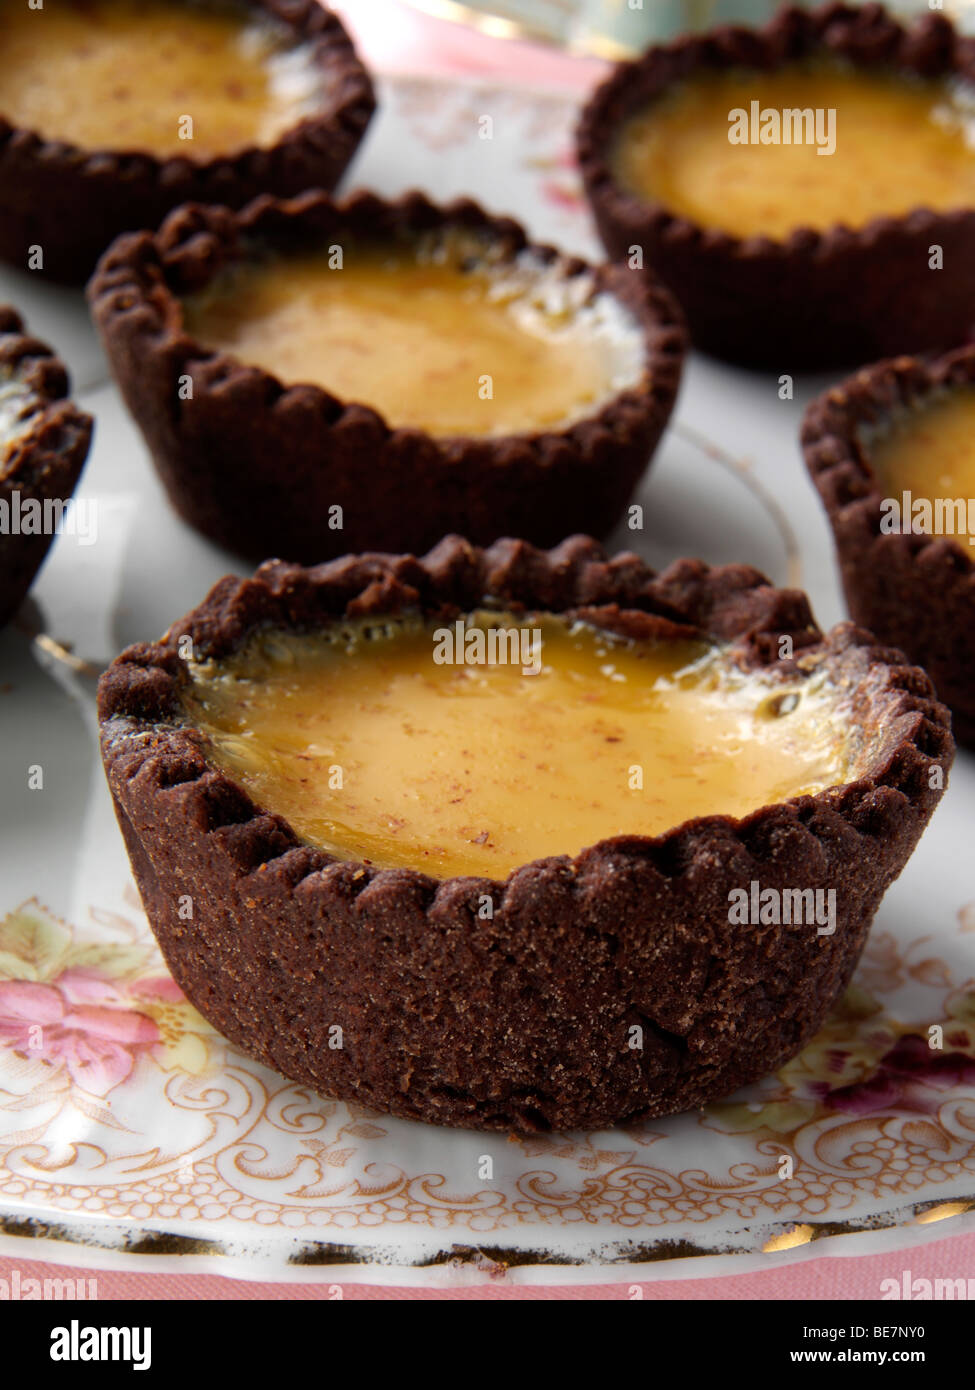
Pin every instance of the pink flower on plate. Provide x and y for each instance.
(908, 1077)
(79, 1022)
(159, 987)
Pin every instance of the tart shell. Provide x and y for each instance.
(73, 202)
(818, 298)
(257, 466)
(43, 463)
(520, 1021)
(915, 591)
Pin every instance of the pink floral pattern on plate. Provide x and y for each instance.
(170, 1124)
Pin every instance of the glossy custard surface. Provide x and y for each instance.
(374, 750)
(929, 452)
(123, 75)
(901, 144)
(434, 335)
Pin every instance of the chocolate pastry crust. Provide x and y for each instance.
(41, 463)
(818, 298)
(915, 591)
(521, 1021)
(73, 202)
(257, 465)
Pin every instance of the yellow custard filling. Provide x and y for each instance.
(438, 335)
(899, 144)
(190, 79)
(925, 463)
(374, 745)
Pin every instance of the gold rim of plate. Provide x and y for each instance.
(785, 1235)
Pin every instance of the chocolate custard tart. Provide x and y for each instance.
(315, 377)
(112, 112)
(44, 442)
(807, 190)
(516, 840)
(892, 452)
